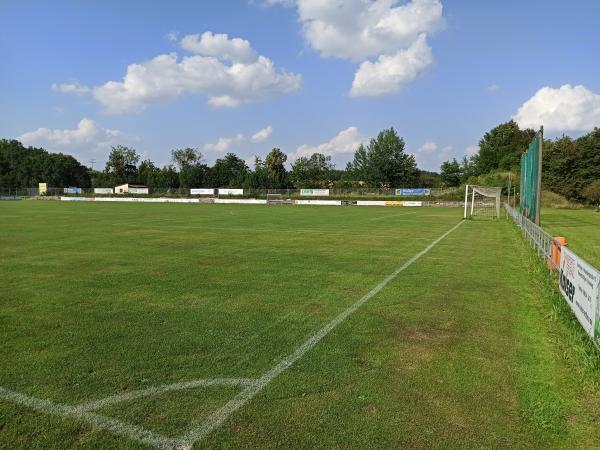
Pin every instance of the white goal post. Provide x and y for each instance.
(482, 201)
(274, 199)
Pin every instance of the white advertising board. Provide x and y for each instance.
(134, 190)
(370, 203)
(315, 192)
(319, 202)
(578, 283)
(409, 203)
(103, 190)
(202, 191)
(231, 191)
(132, 199)
(246, 201)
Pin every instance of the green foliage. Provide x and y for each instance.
(314, 171)
(592, 192)
(451, 173)
(383, 162)
(27, 166)
(229, 171)
(501, 148)
(571, 166)
(122, 165)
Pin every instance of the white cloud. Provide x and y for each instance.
(219, 46)
(429, 156)
(493, 87)
(228, 71)
(568, 108)
(70, 88)
(262, 135)
(172, 36)
(363, 30)
(225, 143)
(345, 142)
(390, 72)
(89, 138)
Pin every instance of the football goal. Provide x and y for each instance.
(274, 199)
(482, 201)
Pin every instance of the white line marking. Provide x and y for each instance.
(155, 390)
(219, 416)
(97, 420)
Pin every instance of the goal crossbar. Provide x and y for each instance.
(482, 201)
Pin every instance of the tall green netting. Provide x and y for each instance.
(530, 179)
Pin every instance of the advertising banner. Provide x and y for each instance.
(231, 192)
(136, 190)
(43, 188)
(407, 192)
(370, 203)
(394, 203)
(319, 202)
(578, 283)
(103, 190)
(72, 190)
(202, 191)
(315, 192)
(413, 203)
(242, 201)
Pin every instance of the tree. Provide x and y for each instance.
(315, 171)
(383, 163)
(592, 192)
(186, 157)
(27, 166)
(121, 164)
(276, 175)
(229, 171)
(451, 173)
(501, 148)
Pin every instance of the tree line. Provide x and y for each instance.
(383, 162)
(570, 167)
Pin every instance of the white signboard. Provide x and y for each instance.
(103, 190)
(579, 286)
(409, 203)
(231, 192)
(319, 202)
(315, 192)
(247, 201)
(370, 203)
(202, 191)
(135, 190)
(132, 199)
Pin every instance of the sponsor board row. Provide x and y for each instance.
(252, 201)
(579, 284)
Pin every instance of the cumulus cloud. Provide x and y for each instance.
(345, 143)
(360, 30)
(219, 46)
(568, 108)
(493, 87)
(225, 143)
(87, 139)
(70, 88)
(390, 72)
(472, 150)
(172, 36)
(262, 135)
(430, 156)
(226, 70)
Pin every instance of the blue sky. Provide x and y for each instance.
(301, 75)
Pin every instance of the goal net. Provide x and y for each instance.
(482, 201)
(274, 199)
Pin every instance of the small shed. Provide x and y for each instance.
(128, 188)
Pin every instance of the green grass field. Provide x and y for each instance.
(581, 227)
(122, 304)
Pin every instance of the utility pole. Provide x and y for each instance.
(92, 161)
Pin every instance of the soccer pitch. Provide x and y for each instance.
(234, 326)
